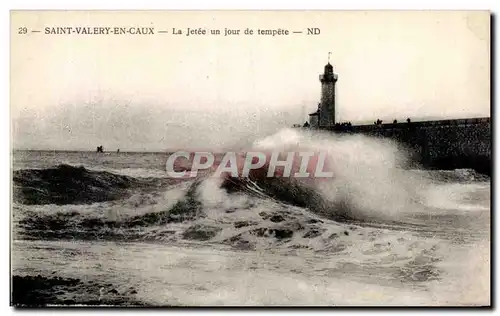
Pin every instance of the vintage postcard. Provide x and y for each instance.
(250, 158)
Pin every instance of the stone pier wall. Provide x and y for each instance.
(447, 144)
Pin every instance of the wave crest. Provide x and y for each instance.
(67, 184)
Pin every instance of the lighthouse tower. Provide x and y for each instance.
(327, 111)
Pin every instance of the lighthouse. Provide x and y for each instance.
(327, 108)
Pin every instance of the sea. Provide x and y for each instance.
(380, 232)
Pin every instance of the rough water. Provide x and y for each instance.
(377, 233)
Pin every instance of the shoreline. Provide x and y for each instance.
(42, 291)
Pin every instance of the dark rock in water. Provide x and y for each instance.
(299, 247)
(261, 232)
(334, 236)
(314, 221)
(239, 242)
(69, 185)
(278, 233)
(264, 215)
(346, 233)
(240, 224)
(201, 232)
(276, 218)
(314, 233)
(39, 291)
(282, 233)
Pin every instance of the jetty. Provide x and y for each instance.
(438, 144)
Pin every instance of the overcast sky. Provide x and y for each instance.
(153, 92)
